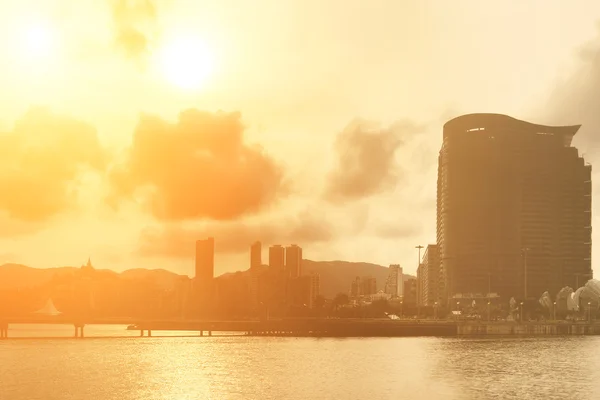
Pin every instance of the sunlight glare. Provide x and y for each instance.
(187, 62)
(37, 41)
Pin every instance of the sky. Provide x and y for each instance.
(129, 129)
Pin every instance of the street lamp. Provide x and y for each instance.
(590, 311)
(401, 309)
(524, 252)
(435, 310)
(554, 309)
(457, 309)
(488, 310)
(522, 312)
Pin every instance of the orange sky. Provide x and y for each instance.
(131, 128)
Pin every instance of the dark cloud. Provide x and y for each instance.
(365, 155)
(234, 236)
(576, 100)
(198, 167)
(135, 23)
(40, 162)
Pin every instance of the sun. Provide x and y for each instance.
(37, 41)
(187, 62)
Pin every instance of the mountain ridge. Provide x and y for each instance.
(335, 276)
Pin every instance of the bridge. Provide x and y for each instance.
(320, 327)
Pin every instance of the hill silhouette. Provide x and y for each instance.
(336, 276)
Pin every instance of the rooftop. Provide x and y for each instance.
(483, 121)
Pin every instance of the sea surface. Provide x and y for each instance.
(45, 363)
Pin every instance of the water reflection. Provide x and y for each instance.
(516, 368)
(299, 368)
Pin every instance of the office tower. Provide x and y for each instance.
(364, 286)
(369, 285)
(205, 263)
(356, 287)
(513, 208)
(429, 277)
(409, 296)
(394, 285)
(277, 257)
(419, 283)
(304, 290)
(293, 261)
(256, 255)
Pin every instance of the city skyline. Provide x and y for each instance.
(309, 136)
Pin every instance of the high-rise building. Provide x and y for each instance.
(513, 208)
(293, 261)
(303, 290)
(429, 277)
(364, 286)
(419, 298)
(255, 255)
(409, 297)
(394, 285)
(356, 287)
(369, 285)
(205, 263)
(277, 257)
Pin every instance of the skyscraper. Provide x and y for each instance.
(255, 255)
(394, 285)
(293, 261)
(429, 277)
(513, 207)
(205, 263)
(277, 257)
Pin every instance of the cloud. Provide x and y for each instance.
(40, 163)
(197, 168)
(234, 237)
(576, 99)
(366, 159)
(397, 230)
(135, 21)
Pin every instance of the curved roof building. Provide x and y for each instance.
(513, 208)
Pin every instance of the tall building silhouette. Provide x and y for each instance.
(256, 255)
(293, 261)
(394, 284)
(429, 276)
(205, 263)
(513, 207)
(277, 257)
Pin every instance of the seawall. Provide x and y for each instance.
(527, 329)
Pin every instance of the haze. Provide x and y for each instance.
(132, 128)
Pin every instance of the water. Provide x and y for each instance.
(229, 367)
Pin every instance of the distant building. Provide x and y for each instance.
(205, 264)
(293, 261)
(364, 286)
(419, 299)
(277, 257)
(369, 285)
(356, 287)
(395, 281)
(303, 290)
(87, 271)
(410, 292)
(271, 291)
(429, 277)
(255, 255)
(512, 196)
(381, 295)
(315, 288)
